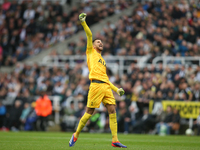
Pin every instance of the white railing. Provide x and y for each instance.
(117, 64)
(121, 64)
(56, 107)
(170, 61)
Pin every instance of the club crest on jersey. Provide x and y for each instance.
(102, 62)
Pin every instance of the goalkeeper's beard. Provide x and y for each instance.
(98, 49)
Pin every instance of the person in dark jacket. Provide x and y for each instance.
(196, 124)
(164, 119)
(145, 123)
(175, 123)
(13, 121)
(2, 114)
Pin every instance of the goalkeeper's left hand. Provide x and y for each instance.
(120, 92)
(82, 17)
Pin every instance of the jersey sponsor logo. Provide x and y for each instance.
(102, 62)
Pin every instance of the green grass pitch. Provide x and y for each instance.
(95, 141)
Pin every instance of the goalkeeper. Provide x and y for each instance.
(100, 87)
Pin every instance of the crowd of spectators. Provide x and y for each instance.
(155, 28)
(27, 28)
(72, 84)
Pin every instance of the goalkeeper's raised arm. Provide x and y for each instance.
(88, 32)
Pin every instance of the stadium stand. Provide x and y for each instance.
(28, 28)
(158, 29)
(154, 29)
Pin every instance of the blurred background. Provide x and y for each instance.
(151, 48)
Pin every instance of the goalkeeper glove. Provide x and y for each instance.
(120, 92)
(82, 17)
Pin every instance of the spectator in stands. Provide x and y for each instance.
(124, 118)
(163, 120)
(196, 124)
(183, 48)
(184, 92)
(6, 5)
(69, 118)
(58, 9)
(175, 123)
(197, 72)
(170, 95)
(12, 120)
(43, 108)
(129, 123)
(80, 112)
(2, 115)
(59, 88)
(196, 92)
(29, 13)
(145, 123)
(31, 120)
(1, 56)
(189, 71)
(25, 113)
